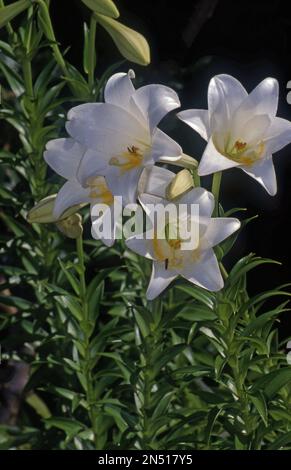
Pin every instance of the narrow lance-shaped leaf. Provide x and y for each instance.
(10, 11)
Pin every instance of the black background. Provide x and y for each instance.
(192, 40)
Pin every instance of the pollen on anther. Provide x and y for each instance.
(240, 145)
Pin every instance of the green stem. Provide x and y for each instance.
(223, 271)
(49, 31)
(216, 180)
(146, 403)
(150, 345)
(92, 53)
(85, 326)
(80, 252)
(27, 76)
(196, 178)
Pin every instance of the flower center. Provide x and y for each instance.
(239, 151)
(99, 190)
(129, 160)
(168, 250)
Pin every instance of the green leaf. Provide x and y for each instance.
(197, 313)
(13, 79)
(280, 415)
(244, 265)
(163, 405)
(143, 319)
(86, 52)
(271, 383)
(261, 406)
(168, 355)
(70, 302)
(69, 426)
(38, 405)
(206, 298)
(257, 299)
(18, 302)
(212, 417)
(262, 319)
(116, 414)
(74, 282)
(9, 12)
(94, 300)
(280, 442)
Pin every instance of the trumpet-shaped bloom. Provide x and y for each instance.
(198, 264)
(121, 135)
(64, 157)
(242, 129)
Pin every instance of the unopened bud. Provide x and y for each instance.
(71, 226)
(42, 212)
(180, 184)
(131, 44)
(184, 161)
(104, 7)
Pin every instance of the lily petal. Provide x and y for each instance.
(70, 194)
(160, 279)
(105, 128)
(141, 246)
(93, 163)
(225, 90)
(154, 180)
(64, 156)
(262, 100)
(119, 89)
(155, 101)
(264, 173)
(203, 198)
(198, 119)
(213, 161)
(124, 184)
(164, 146)
(255, 128)
(218, 229)
(150, 201)
(205, 272)
(279, 135)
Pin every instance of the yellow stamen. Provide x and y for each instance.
(99, 190)
(129, 160)
(239, 146)
(176, 244)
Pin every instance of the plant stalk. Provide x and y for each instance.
(216, 180)
(85, 326)
(92, 54)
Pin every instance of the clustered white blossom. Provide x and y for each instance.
(114, 146)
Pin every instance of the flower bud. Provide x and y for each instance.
(180, 184)
(131, 44)
(184, 161)
(71, 226)
(42, 212)
(104, 7)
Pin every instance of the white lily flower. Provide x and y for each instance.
(121, 135)
(198, 265)
(242, 129)
(64, 157)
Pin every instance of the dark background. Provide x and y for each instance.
(192, 40)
